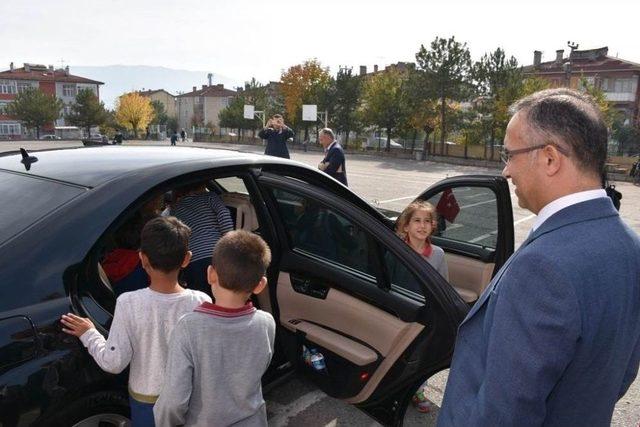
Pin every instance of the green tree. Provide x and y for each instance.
(447, 68)
(346, 98)
(232, 116)
(255, 93)
(493, 74)
(160, 116)
(87, 111)
(423, 112)
(383, 102)
(34, 109)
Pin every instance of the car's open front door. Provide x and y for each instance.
(475, 228)
(349, 290)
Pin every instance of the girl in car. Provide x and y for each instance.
(415, 226)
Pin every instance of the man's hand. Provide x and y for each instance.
(75, 325)
(322, 166)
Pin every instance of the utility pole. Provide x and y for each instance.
(568, 66)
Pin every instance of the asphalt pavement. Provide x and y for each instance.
(391, 183)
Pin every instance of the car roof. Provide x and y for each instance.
(92, 166)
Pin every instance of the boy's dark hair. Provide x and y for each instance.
(276, 116)
(165, 241)
(241, 259)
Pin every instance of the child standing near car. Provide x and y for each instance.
(143, 319)
(219, 352)
(415, 226)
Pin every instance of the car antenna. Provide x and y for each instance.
(27, 159)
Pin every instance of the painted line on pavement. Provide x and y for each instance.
(280, 419)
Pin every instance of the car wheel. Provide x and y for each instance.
(102, 409)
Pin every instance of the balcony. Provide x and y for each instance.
(620, 96)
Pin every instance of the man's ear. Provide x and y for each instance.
(261, 285)
(186, 260)
(553, 159)
(212, 276)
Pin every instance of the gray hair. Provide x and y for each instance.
(328, 131)
(572, 121)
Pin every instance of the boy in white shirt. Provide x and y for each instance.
(144, 319)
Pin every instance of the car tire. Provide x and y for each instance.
(108, 408)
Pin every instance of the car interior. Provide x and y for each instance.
(359, 339)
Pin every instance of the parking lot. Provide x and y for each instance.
(392, 183)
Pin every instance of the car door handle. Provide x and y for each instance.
(309, 287)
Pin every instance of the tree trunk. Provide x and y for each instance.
(442, 123)
(346, 139)
(426, 146)
(89, 131)
(306, 132)
(413, 141)
(493, 138)
(37, 132)
(466, 150)
(388, 149)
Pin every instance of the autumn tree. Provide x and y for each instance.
(87, 111)
(304, 84)
(34, 108)
(134, 112)
(447, 69)
(346, 96)
(384, 101)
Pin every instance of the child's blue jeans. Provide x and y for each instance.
(141, 413)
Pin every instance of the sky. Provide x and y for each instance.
(241, 39)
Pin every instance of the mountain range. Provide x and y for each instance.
(119, 79)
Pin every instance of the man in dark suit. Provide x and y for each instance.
(333, 162)
(554, 340)
(276, 133)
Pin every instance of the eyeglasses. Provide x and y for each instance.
(506, 155)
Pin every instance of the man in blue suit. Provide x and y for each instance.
(554, 340)
(333, 163)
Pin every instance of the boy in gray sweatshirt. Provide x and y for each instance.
(219, 352)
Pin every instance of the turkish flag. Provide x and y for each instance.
(448, 205)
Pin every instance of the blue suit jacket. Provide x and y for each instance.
(555, 337)
(336, 163)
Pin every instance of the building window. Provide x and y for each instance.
(3, 107)
(618, 85)
(22, 86)
(8, 87)
(69, 90)
(10, 129)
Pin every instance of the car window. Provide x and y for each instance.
(467, 214)
(399, 276)
(318, 230)
(233, 184)
(27, 199)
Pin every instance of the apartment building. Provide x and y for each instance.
(202, 106)
(59, 82)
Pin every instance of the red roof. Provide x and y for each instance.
(41, 73)
(588, 61)
(214, 91)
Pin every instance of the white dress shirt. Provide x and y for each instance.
(564, 202)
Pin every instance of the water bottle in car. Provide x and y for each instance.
(317, 361)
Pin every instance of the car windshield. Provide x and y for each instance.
(27, 199)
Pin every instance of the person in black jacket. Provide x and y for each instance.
(276, 133)
(333, 163)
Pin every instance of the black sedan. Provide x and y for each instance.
(329, 283)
